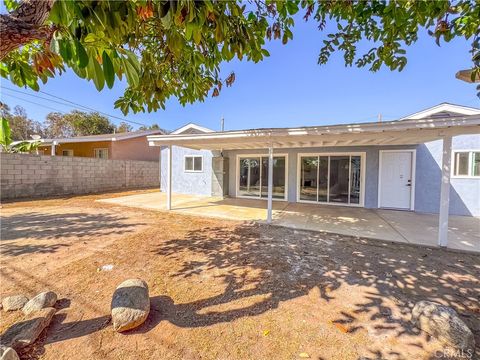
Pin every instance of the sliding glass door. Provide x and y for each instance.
(253, 176)
(250, 176)
(330, 178)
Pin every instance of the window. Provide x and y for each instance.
(335, 178)
(193, 163)
(253, 177)
(67, 152)
(466, 163)
(101, 153)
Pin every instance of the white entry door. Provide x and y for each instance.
(396, 179)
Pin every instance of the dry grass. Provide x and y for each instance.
(224, 290)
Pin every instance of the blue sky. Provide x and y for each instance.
(289, 88)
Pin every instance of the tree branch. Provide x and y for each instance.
(24, 25)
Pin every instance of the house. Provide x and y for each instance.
(120, 146)
(425, 162)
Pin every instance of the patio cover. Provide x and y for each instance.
(398, 132)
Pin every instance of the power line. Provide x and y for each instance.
(36, 96)
(35, 103)
(73, 103)
(92, 109)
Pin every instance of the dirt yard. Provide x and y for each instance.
(224, 290)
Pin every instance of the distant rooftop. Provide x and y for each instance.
(106, 137)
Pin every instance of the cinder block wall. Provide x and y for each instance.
(25, 175)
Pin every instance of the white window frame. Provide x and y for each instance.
(414, 166)
(363, 156)
(193, 163)
(260, 155)
(69, 151)
(96, 150)
(470, 164)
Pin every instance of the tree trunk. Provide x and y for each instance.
(24, 25)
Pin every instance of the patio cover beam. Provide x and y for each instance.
(169, 177)
(270, 184)
(445, 192)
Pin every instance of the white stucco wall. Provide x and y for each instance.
(194, 183)
(464, 192)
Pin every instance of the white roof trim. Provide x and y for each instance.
(98, 138)
(191, 126)
(463, 110)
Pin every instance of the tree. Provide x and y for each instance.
(153, 127)
(6, 141)
(77, 123)
(21, 127)
(124, 127)
(89, 123)
(58, 126)
(175, 48)
(25, 24)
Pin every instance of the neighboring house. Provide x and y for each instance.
(393, 164)
(120, 146)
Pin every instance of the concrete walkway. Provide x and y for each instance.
(389, 225)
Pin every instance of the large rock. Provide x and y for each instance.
(443, 323)
(7, 353)
(25, 333)
(41, 301)
(130, 304)
(14, 302)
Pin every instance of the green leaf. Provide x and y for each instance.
(82, 57)
(188, 31)
(33, 84)
(133, 60)
(25, 146)
(65, 50)
(132, 75)
(54, 46)
(197, 35)
(90, 38)
(98, 79)
(167, 20)
(292, 7)
(175, 44)
(108, 71)
(95, 72)
(5, 133)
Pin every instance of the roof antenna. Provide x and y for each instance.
(379, 117)
(222, 124)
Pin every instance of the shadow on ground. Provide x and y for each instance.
(66, 226)
(288, 264)
(248, 270)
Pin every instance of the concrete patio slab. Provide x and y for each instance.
(230, 208)
(387, 225)
(338, 219)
